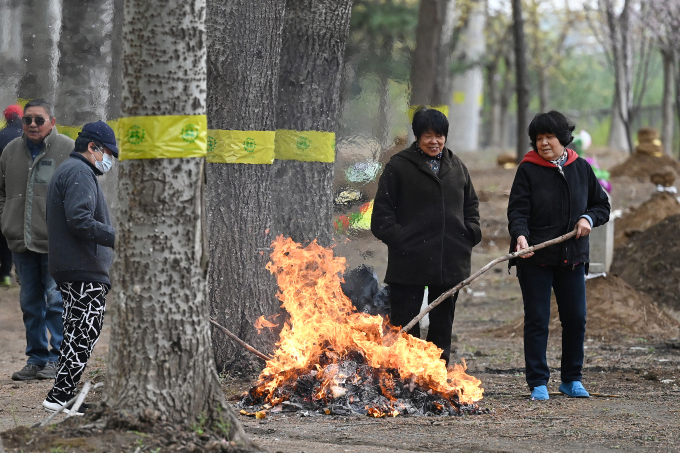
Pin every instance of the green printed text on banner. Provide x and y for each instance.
(240, 147)
(306, 146)
(442, 108)
(163, 137)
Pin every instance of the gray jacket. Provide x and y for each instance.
(81, 237)
(23, 190)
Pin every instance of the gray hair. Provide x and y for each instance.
(47, 105)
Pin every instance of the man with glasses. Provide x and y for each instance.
(26, 167)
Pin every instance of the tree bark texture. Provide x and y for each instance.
(244, 42)
(668, 118)
(84, 61)
(40, 27)
(161, 356)
(313, 47)
(424, 57)
(522, 82)
(10, 50)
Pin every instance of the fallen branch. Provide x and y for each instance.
(468, 280)
(228, 333)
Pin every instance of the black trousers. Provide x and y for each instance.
(569, 284)
(5, 258)
(405, 302)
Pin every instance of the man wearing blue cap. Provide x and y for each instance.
(81, 240)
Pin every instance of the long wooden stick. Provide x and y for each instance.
(468, 280)
(228, 333)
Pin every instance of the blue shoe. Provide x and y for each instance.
(574, 389)
(540, 393)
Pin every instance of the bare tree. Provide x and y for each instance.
(314, 37)
(521, 77)
(10, 50)
(84, 61)
(40, 26)
(161, 359)
(244, 42)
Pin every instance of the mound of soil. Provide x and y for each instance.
(641, 166)
(615, 309)
(649, 213)
(650, 262)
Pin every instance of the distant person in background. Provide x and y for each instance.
(26, 167)
(554, 192)
(427, 213)
(11, 131)
(81, 240)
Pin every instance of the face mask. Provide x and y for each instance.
(104, 165)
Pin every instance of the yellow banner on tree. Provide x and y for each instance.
(442, 108)
(69, 131)
(163, 137)
(306, 146)
(240, 147)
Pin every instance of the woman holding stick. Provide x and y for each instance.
(427, 213)
(554, 192)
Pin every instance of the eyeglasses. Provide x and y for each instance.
(39, 120)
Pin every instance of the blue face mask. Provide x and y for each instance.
(106, 164)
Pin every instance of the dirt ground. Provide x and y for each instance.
(632, 357)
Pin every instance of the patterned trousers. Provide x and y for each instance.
(84, 306)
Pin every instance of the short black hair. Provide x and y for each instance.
(426, 119)
(47, 105)
(82, 142)
(554, 123)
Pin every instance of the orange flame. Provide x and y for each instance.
(323, 323)
(261, 323)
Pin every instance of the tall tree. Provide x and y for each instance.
(435, 41)
(161, 359)
(84, 61)
(10, 50)
(314, 37)
(521, 77)
(40, 26)
(244, 41)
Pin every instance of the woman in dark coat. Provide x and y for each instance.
(554, 192)
(427, 213)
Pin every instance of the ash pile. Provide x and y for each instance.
(348, 386)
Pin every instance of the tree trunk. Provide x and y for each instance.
(464, 111)
(618, 132)
(522, 85)
(668, 118)
(442, 89)
(161, 359)
(243, 66)
(314, 37)
(84, 66)
(10, 50)
(506, 97)
(543, 90)
(40, 26)
(109, 181)
(424, 58)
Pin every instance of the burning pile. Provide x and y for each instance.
(334, 359)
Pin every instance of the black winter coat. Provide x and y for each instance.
(545, 204)
(429, 223)
(80, 234)
(9, 133)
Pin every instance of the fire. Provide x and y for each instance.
(262, 322)
(324, 328)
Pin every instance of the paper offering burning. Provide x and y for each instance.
(332, 359)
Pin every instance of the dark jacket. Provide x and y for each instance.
(10, 132)
(429, 223)
(80, 235)
(545, 204)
